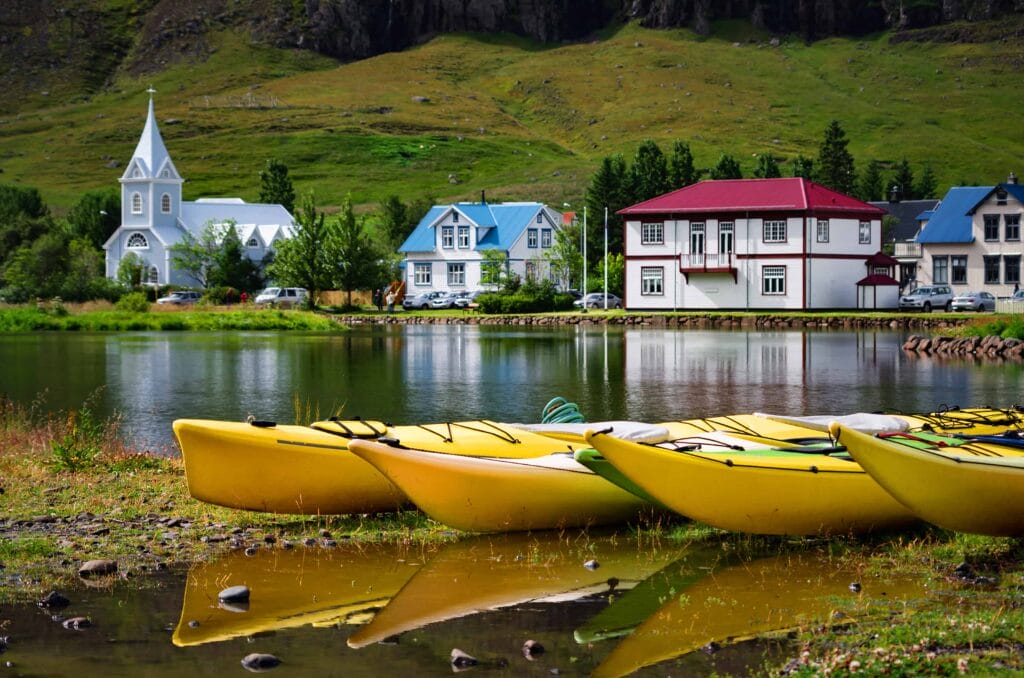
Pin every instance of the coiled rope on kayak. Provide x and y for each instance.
(560, 411)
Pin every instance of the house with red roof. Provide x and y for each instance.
(758, 244)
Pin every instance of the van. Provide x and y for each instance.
(285, 297)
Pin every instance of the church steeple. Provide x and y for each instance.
(150, 154)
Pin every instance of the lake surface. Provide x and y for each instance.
(419, 373)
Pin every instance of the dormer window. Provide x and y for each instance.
(136, 203)
(540, 217)
(165, 203)
(455, 217)
(166, 173)
(1000, 197)
(253, 242)
(137, 241)
(137, 173)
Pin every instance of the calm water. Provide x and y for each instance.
(386, 610)
(436, 373)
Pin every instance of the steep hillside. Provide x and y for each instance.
(518, 118)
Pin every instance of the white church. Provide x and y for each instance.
(154, 217)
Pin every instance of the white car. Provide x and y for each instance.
(282, 296)
(596, 300)
(927, 298)
(180, 297)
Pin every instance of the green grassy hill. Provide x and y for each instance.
(528, 121)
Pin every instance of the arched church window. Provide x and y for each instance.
(137, 241)
(151, 275)
(137, 173)
(165, 203)
(253, 242)
(136, 203)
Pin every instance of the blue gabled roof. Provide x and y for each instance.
(505, 223)
(951, 220)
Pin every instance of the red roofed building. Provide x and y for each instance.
(764, 244)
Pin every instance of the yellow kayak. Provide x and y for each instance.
(761, 491)
(261, 466)
(742, 601)
(485, 573)
(291, 588)
(969, 486)
(490, 494)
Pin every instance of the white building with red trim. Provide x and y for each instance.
(759, 244)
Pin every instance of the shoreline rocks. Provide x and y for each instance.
(979, 347)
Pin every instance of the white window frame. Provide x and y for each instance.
(464, 237)
(726, 237)
(774, 231)
(652, 281)
(652, 233)
(545, 238)
(1011, 227)
(136, 203)
(822, 230)
(864, 233)
(448, 237)
(165, 203)
(252, 242)
(531, 238)
(421, 273)
(773, 281)
(133, 240)
(457, 274)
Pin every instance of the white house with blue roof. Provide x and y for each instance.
(972, 239)
(445, 250)
(154, 217)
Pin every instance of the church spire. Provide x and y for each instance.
(151, 150)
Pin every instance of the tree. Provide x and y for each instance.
(129, 270)
(23, 200)
(727, 168)
(616, 274)
(927, 184)
(95, 216)
(767, 167)
(493, 267)
(835, 163)
(231, 267)
(356, 259)
(394, 216)
(803, 167)
(304, 259)
(607, 189)
(903, 180)
(23, 218)
(196, 256)
(565, 257)
(681, 171)
(872, 185)
(84, 269)
(37, 269)
(276, 186)
(648, 175)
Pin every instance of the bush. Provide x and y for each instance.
(133, 302)
(530, 297)
(222, 295)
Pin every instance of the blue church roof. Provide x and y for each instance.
(951, 220)
(505, 223)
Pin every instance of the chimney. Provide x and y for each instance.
(895, 194)
(483, 197)
(1012, 179)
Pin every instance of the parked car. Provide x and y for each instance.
(288, 297)
(974, 301)
(1017, 297)
(597, 300)
(421, 300)
(928, 297)
(465, 298)
(180, 297)
(444, 300)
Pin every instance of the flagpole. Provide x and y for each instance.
(606, 258)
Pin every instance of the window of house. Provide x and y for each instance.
(150, 275)
(136, 203)
(652, 281)
(165, 173)
(865, 233)
(940, 270)
(531, 270)
(545, 237)
(652, 233)
(137, 241)
(421, 274)
(447, 237)
(165, 203)
(1001, 197)
(725, 237)
(822, 230)
(253, 242)
(455, 217)
(774, 231)
(991, 226)
(1011, 269)
(991, 270)
(1012, 223)
(464, 237)
(137, 173)
(773, 280)
(456, 275)
(958, 267)
(531, 237)
(540, 217)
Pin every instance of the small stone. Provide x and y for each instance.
(77, 623)
(591, 564)
(531, 649)
(99, 567)
(462, 660)
(711, 648)
(234, 594)
(54, 599)
(251, 551)
(257, 662)
(855, 587)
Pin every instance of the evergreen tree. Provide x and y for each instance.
(903, 180)
(96, 216)
(835, 163)
(231, 267)
(607, 189)
(276, 186)
(727, 168)
(872, 184)
(803, 167)
(649, 175)
(681, 171)
(767, 167)
(395, 223)
(356, 259)
(304, 259)
(927, 184)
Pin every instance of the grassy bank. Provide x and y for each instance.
(73, 491)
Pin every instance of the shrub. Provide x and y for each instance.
(133, 302)
(222, 295)
(81, 443)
